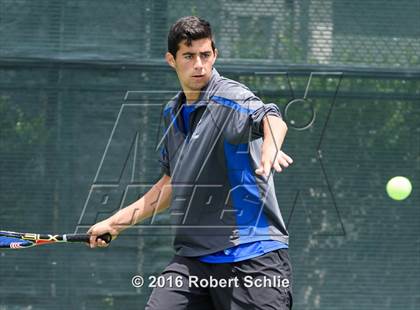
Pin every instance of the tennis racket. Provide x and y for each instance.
(16, 240)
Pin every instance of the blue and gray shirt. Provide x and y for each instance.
(218, 202)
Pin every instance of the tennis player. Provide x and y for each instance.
(220, 146)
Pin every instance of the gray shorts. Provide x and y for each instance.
(263, 282)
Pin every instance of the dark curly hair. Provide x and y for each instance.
(188, 28)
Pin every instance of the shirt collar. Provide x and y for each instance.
(204, 93)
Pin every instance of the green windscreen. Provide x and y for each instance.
(82, 89)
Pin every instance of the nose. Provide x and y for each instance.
(198, 64)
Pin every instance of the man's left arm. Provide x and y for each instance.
(272, 156)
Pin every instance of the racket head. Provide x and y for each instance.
(14, 240)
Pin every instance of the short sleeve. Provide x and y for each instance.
(164, 160)
(258, 115)
(164, 154)
(245, 118)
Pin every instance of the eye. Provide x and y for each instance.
(187, 57)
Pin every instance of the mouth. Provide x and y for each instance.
(198, 76)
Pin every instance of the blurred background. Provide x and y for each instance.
(70, 69)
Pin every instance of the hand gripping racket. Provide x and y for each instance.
(16, 240)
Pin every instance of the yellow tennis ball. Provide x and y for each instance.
(398, 188)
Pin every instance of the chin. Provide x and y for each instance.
(197, 87)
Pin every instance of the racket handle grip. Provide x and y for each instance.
(85, 237)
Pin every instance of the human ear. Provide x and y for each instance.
(216, 52)
(170, 59)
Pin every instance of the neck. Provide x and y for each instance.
(191, 96)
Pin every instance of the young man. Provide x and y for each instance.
(220, 144)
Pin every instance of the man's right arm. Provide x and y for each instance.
(154, 201)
